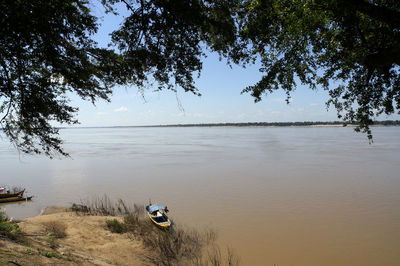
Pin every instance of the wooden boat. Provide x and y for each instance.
(156, 213)
(11, 195)
(15, 199)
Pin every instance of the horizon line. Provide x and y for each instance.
(227, 124)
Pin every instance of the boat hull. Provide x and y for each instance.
(163, 225)
(11, 195)
(15, 199)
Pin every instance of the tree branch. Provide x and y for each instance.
(128, 6)
(381, 13)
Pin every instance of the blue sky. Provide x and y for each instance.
(221, 100)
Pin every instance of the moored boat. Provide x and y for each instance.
(15, 199)
(11, 195)
(156, 213)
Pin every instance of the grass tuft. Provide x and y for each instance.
(52, 254)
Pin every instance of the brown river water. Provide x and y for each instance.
(276, 195)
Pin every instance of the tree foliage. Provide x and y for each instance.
(350, 48)
(164, 38)
(45, 51)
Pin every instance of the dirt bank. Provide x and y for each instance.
(86, 242)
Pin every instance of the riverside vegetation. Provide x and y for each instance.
(9, 229)
(180, 246)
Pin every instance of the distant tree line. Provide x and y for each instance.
(282, 124)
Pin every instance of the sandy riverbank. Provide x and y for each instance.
(87, 242)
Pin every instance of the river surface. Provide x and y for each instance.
(276, 195)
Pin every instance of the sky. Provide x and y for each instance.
(221, 100)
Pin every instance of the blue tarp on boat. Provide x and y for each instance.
(155, 207)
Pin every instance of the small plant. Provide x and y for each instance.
(30, 251)
(53, 244)
(56, 229)
(116, 226)
(52, 254)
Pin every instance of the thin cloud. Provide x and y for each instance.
(121, 109)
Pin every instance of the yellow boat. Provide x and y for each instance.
(157, 214)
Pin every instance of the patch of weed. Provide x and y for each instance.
(116, 226)
(52, 254)
(30, 251)
(9, 229)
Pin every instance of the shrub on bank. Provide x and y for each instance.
(56, 229)
(9, 229)
(116, 226)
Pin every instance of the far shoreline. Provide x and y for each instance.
(254, 124)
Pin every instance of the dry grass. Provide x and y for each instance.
(56, 229)
(177, 247)
(97, 206)
(105, 206)
(231, 257)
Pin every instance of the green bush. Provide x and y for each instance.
(8, 228)
(116, 226)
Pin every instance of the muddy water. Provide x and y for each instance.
(283, 196)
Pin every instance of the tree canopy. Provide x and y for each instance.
(350, 48)
(352, 43)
